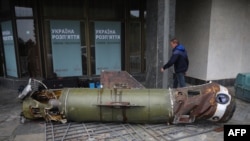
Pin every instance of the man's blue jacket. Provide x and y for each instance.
(179, 59)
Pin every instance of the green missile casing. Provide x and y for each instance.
(116, 105)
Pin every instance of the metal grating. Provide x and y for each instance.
(124, 132)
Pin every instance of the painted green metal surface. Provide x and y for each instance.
(116, 105)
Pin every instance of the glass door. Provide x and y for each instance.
(28, 48)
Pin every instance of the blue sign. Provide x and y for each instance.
(66, 48)
(9, 49)
(107, 46)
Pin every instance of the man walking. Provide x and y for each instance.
(180, 61)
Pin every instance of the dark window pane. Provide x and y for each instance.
(4, 8)
(64, 8)
(135, 47)
(134, 8)
(28, 48)
(108, 9)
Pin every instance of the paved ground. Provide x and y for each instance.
(12, 130)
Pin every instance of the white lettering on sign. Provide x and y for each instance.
(63, 31)
(107, 34)
(65, 37)
(6, 32)
(107, 37)
(7, 35)
(64, 34)
(7, 38)
(105, 31)
(236, 132)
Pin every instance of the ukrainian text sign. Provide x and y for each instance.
(107, 46)
(66, 48)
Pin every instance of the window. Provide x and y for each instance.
(28, 47)
(4, 9)
(106, 9)
(90, 12)
(64, 9)
(66, 49)
(134, 9)
(23, 11)
(135, 47)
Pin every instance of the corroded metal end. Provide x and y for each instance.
(209, 101)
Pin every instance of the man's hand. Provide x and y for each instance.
(162, 70)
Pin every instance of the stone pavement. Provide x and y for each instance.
(12, 130)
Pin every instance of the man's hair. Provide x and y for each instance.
(174, 40)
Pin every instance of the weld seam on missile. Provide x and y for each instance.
(65, 103)
(171, 102)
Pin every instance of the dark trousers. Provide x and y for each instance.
(179, 80)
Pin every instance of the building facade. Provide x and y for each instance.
(216, 34)
(77, 38)
(72, 38)
(63, 39)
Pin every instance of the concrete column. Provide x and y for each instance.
(160, 28)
